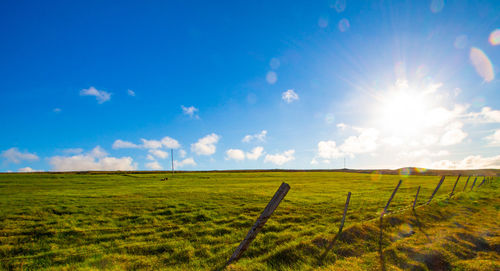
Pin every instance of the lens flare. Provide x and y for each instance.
(420, 169)
(495, 37)
(271, 77)
(482, 64)
(344, 25)
(274, 63)
(340, 5)
(404, 172)
(460, 42)
(330, 118)
(375, 176)
(437, 6)
(322, 22)
(478, 102)
(422, 71)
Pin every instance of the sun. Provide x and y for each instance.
(403, 111)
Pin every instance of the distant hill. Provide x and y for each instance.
(400, 171)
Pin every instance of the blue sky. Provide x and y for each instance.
(111, 85)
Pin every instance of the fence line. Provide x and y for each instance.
(283, 190)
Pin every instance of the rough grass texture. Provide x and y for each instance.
(194, 221)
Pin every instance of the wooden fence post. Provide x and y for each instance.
(345, 212)
(484, 178)
(382, 261)
(416, 196)
(392, 196)
(340, 227)
(437, 188)
(458, 178)
(466, 183)
(472, 187)
(257, 227)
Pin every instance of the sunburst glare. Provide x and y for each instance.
(403, 110)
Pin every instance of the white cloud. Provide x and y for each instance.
(235, 154)
(205, 145)
(487, 115)
(429, 139)
(150, 157)
(328, 150)
(440, 116)
(182, 153)
(13, 155)
(167, 142)
(170, 143)
(289, 96)
(453, 134)
(239, 155)
(96, 159)
(470, 162)
(259, 137)
(154, 165)
(393, 141)
(98, 152)
(365, 142)
(120, 144)
(131, 93)
(101, 95)
(494, 139)
(255, 153)
(315, 161)
(280, 158)
(190, 111)
(26, 169)
(159, 153)
(151, 144)
(185, 162)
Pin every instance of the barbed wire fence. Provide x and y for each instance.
(284, 188)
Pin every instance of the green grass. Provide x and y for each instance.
(195, 221)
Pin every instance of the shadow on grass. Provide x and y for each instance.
(380, 241)
(328, 249)
(419, 226)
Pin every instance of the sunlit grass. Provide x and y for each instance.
(196, 220)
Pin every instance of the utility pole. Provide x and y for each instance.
(172, 155)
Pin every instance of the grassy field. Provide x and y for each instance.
(195, 221)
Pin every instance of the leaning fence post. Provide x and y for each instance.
(437, 188)
(472, 187)
(458, 178)
(266, 214)
(345, 212)
(340, 227)
(466, 183)
(392, 196)
(416, 196)
(484, 178)
(382, 261)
